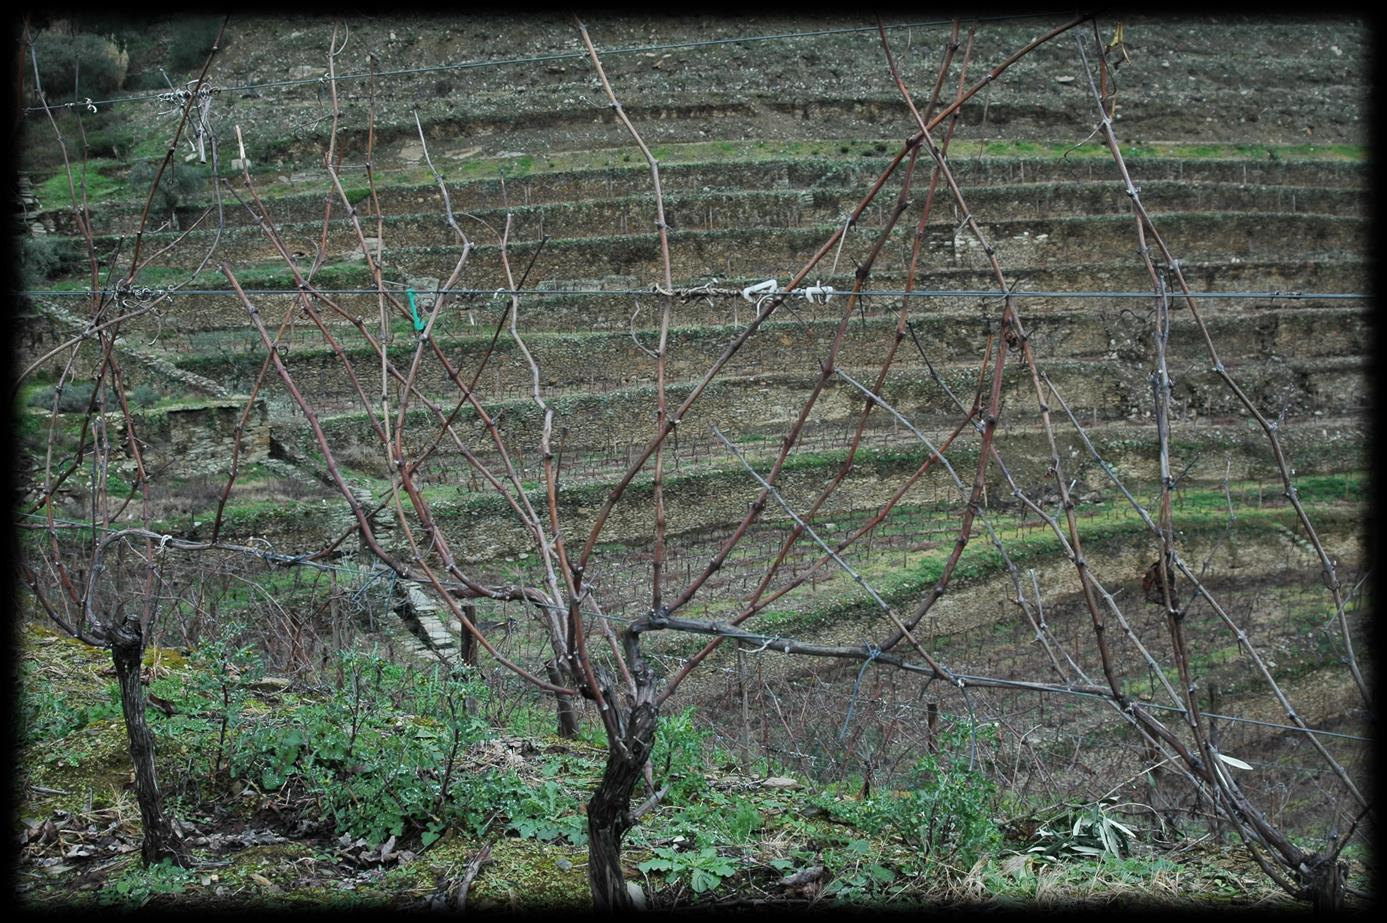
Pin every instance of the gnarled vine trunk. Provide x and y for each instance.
(127, 652)
(609, 810)
(1323, 879)
(563, 704)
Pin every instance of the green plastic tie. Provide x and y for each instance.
(418, 323)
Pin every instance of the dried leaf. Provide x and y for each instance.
(1017, 866)
(803, 877)
(1233, 761)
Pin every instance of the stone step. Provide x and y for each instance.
(571, 367)
(148, 361)
(420, 614)
(591, 210)
(1021, 244)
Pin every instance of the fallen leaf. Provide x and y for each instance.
(1233, 761)
(1017, 866)
(803, 877)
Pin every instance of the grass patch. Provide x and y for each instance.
(54, 192)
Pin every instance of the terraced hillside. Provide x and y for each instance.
(1245, 138)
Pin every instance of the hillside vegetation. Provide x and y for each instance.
(270, 388)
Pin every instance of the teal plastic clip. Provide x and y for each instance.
(418, 322)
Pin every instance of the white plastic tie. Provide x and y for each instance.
(817, 291)
(767, 287)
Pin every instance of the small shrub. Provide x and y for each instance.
(46, 257)
(75, 397)
(145, 395)
(112, 133)
(190, 41)
(147, 80)
(179, 185)
(81, 65)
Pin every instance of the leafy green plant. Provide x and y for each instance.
(212, 698)
(855, 875)
(678, 756)
(475, 803)
(717, 819)
(946, 815)
(137, 884)
(548, 814)
(380, 756)
(744, 820)
(703, 868)
(44, 714)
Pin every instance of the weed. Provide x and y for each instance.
(718, 819)
(137, 884)
(145, 395)
(944, 818)
(44, 713)
(547, 813)
(74, 397)
(372, 772)
(220, 687)
(702, 868)
(678, 756)
(855, 875)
